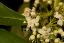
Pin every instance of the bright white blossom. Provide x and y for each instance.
(57, 15)
(26, 12)
(44, 32)
(60, 22)
(32, 20)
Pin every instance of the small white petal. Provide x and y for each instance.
(49, 29)
(33, 14)
(38, 35)
(33, 9)
(32, 37)
(34, 32)
(36, 24)
(46, 40)
(33, 29)
(44, 28)
(40, 31)
(27, 29)
(38, 17)
(26, 12)
(57, 15)
(60, 22)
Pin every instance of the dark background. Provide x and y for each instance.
(13, 4)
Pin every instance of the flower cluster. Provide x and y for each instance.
(48, 32)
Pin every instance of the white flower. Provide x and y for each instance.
(28, 19)
(56, 40)
(30, 24)
(33, 9)
(37, 18)
(32, 37)
(49, 29)
(60, 22)
(44, 28)
(26, 0)
(57, 15)
(46, 40)
(34, 32)
(27, 28)
(26, 12)
(41, 31)
(38, 36)
(33, 29)
(36, 24)
(60, 30)
(33, 14)
(36, 2)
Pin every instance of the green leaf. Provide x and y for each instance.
(10, 17)
(8, 37)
